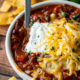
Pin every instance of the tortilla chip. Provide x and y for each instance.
(16, 3)
(5, 19)
(5, 7)
(20, 3)
(12, 2)
(16, 12)
(34, 1)
(13, 78)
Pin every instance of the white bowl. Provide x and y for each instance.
(8, 44)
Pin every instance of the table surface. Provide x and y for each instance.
(6, 70)
(3, 29)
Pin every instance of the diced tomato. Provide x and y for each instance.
(15, 38)
(15, 46)
(26, 64)
(21, 58)
(47, 12)
(21, 31)
(56, 9)
(32, 58)
(71, 16)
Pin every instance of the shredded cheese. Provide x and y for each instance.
(62, 39)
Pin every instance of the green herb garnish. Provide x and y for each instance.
(35, 58)
(32, 21)
(26, 49)
(59, 38)
(38, 36)
(53, 34)
(52, 48)
(47, 15)
(46, 55)
(70, 21)
(35, 43)
(29, 53)
(64, 13)
(76, 16)
(78, 58)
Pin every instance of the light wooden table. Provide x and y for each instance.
(6, 70)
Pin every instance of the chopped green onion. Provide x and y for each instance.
(26, 49)
(38, 36)
(75, 17)
(46, 55)
(78, 58)
(70, 21)
(59, 38)
(32, 21)
(29, 53)
(35, 58)
(53, 34)
(64, 13)
(47, 15)
(53, 48)
(35, 43)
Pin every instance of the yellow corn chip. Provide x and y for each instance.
(5, 19)
(5, 7)
(34, 1)
(16, 3)
(16, 12)
(20, 3)
(13, 78)
(12, 2)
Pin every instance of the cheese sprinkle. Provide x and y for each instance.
(59, 43)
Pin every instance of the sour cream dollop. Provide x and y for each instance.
(37, 35)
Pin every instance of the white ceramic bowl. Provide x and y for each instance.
(8, 44)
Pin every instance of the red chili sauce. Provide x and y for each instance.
(20, 37)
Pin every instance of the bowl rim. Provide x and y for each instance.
(7, 41)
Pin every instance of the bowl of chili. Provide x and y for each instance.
(21, 32)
